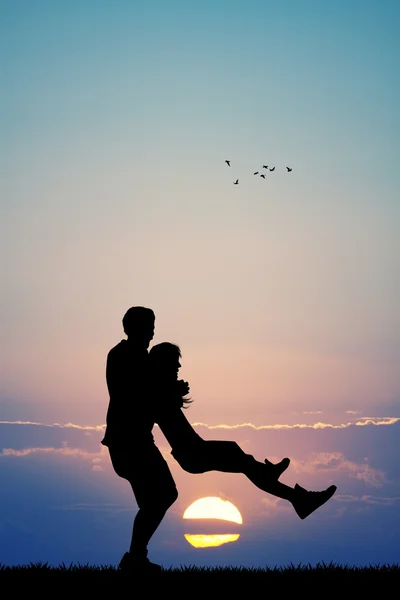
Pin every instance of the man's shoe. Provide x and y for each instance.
(141, 566)
(279, 468)
(306, 502)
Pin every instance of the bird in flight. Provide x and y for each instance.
(228, 162)
(265, 166)
(262, 175)
(236, 182)
(289, 169)
(273, 169)
(256, 173)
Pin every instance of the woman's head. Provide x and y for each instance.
(165, 359)
(165, 363)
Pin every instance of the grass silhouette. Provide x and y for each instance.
(227, 580)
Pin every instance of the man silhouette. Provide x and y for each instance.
(129, 438)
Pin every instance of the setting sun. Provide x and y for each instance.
(213, 507)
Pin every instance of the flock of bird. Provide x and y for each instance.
(289, 169)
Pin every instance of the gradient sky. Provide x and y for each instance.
(116, 119)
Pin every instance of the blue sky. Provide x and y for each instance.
(283, 293)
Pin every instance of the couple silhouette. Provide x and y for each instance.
(144, 389)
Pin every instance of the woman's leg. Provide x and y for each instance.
(228, 457)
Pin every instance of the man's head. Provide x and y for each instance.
(138, 323)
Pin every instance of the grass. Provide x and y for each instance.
(230, 580)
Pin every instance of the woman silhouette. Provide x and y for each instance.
(196, 455)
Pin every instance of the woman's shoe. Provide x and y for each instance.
(306, 502)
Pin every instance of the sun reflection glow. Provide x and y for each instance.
(208, 541)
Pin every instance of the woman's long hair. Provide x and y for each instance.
(163, 358)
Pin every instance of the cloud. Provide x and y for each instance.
(367, 500)
(97, 507)
(336, 463)
(381, 501)
(21, 435)
(100, 428)
(97, 460)
(63, 451)
(377, 421)
(271, 506)
(361, 422)
(310, 454)
(353, 457)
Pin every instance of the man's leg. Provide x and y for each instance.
(155, 491)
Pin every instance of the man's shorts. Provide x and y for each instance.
(147, 471)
